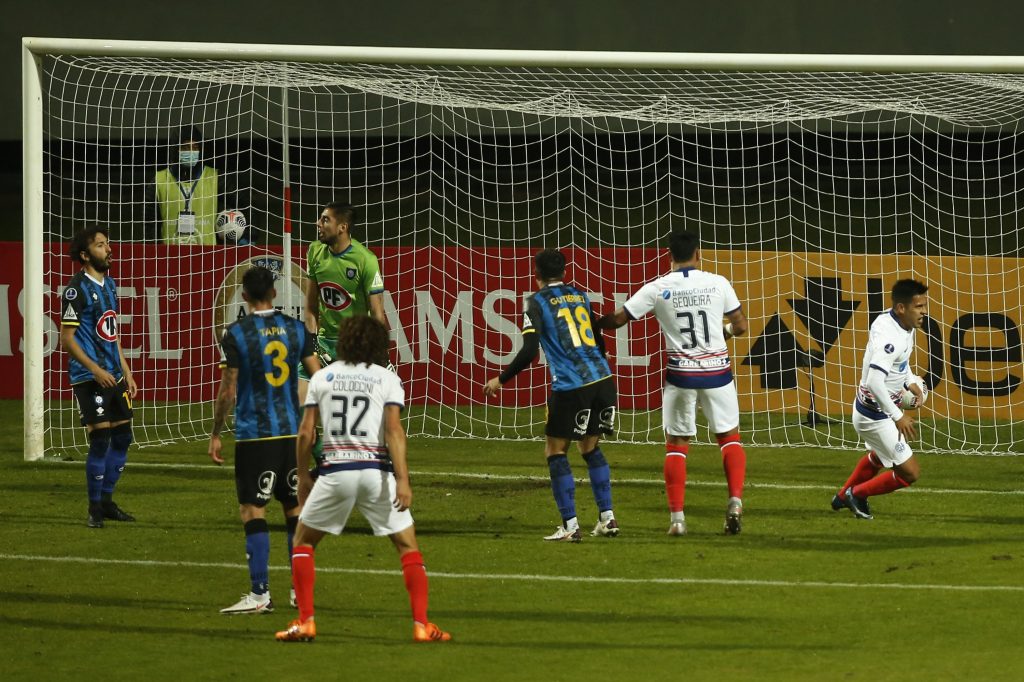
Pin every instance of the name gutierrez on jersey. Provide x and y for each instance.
(567, 298)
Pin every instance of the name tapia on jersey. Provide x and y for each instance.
(266, 348)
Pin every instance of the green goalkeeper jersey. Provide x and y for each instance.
(346, 281)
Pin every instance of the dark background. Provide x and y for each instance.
(782, 26)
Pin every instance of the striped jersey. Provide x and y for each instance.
(351, 399)
(346, 281)
(561, 315)
(889, 348)
(689, 304)
(266, 347)
(91, 306)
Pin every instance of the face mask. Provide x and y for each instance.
(188, 157)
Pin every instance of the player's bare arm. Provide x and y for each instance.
(221, 407)
(737, 325)
(304, 451)
(905, 425)
(492, 387)
(311, 314)
(312, 365)
(394, 436)
(612, 320)
(129, 378)
(68, 343)
(376, 303)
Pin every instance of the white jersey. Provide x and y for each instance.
(351, 399)
(689, 304)
(888, 354)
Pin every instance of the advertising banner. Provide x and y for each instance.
(455, 314)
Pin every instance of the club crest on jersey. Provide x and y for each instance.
(106, 326)
(71, 293)
(334, 297)
(350, 273)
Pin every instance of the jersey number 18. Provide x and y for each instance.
(583, 333)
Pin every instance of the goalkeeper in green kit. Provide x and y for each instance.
(344, 281)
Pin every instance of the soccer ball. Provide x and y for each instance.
(231, 225)
(909, 401)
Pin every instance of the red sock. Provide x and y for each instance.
(734, 461)
(303, 577)
(865, 470)
(416, 584)
(675, 476)
(881, 484)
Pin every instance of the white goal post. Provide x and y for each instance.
(814, 181)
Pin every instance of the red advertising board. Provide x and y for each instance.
(455, 314)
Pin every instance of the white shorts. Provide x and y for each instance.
(334, 495)
(882, 436)
(679, 409)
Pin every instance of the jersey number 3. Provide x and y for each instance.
(281, 369)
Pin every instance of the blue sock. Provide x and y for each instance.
(257, 551)
(95, 464)
(117, 455)
(600, 478)
(562, 485)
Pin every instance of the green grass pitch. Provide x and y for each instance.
(932, 589)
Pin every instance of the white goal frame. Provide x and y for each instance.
(33, 50)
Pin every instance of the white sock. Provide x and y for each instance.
(572, 524)
(678, 517)
(607, 516)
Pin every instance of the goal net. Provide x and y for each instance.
(811, 190)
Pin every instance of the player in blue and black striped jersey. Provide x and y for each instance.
(581, 406)
(262, 354)
(100, 377)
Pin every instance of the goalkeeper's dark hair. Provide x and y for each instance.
(683, 245)
(344, 212)
(362, 340)
(550, 264)
(81, 241)
(258, 283)
(905, 290)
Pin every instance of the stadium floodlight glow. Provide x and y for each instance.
(814, 182)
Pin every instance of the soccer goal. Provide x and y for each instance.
(814, 183)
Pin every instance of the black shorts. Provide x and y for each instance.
(265, 469)
(97, 404)
(586, 411)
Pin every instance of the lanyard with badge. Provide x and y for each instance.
(187, 219)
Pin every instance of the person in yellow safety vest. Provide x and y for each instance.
(188, 196)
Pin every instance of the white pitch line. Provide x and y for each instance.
(799, 584)
(646, 481)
